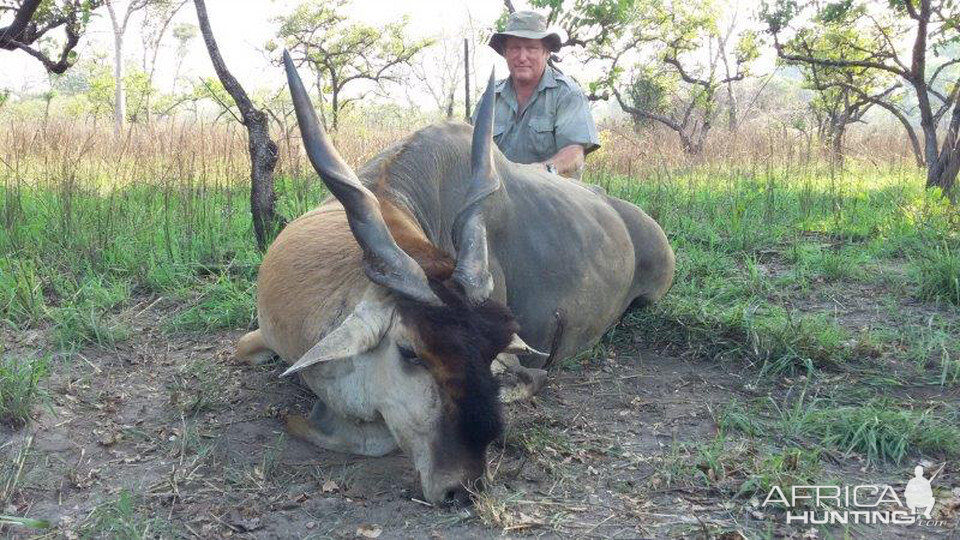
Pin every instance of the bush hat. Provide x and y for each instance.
(526, 24)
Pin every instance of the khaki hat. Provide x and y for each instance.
(526, 24)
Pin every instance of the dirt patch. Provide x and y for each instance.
(170, 434)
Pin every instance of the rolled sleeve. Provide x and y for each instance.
(575, 124)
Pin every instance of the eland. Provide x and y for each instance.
(393, 298)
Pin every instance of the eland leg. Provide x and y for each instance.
(329, 430)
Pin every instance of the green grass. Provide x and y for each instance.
(199, 387)
(740, 468)
(223, 302)
(883, 431)
(71, 257)
(938, 274)
(756, 245)
(784, 468)
(125, 517)
(20, 389)
(878, 430)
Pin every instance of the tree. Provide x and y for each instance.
(438, 72)
(157, 18)
(119, 21)
(91, 83)
(588, 24)
(35, 20)
(184, 33)
(930, 27)
(663, 65)
(342, 52)
(835, 106)
(842, 96)
(263, 151)
(661, 58)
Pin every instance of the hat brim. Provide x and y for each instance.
(550, 39)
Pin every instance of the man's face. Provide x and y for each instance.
(526, 59)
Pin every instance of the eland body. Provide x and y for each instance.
(393, 298)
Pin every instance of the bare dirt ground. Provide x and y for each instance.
(169, 436)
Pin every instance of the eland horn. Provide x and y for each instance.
(469, 229)
(383, 260)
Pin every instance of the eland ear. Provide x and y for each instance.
(361, 331)
(518, 346)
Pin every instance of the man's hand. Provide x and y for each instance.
(568, 161)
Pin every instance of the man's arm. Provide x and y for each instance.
(576, 134)
(568, 161)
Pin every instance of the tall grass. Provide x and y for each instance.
(88, 220)
(20, 387)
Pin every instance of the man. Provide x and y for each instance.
(541, 114)
(919, 494)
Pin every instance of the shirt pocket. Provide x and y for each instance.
(542, 139)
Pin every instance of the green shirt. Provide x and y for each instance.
(556, 115)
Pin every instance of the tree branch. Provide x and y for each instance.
(837, 63)
(230, 83)
(629, 109)
(911, 133)
(23, 31)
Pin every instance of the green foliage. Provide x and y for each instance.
(148, 238)
(20, 387)
(861, 44)
(652, 53)
(24, 522)
(71, 15)
(341, 51)
(840, 92)
(21, 294)
(650, 90)
(589, 24)
(185, 32)
(92, 81)
(748, 48)
(753, 246)
(211, 88)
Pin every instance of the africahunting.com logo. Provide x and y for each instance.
(866, 504)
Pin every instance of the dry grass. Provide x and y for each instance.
(191, 152)
(656, 150)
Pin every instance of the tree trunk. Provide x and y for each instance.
(451, 98)
(165, 23)
(263, 151)
(944, 174)
(466, 75)
(836, 134)
(732, 108)
(119, 98)
(335, 110)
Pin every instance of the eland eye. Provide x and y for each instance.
(409, 356)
